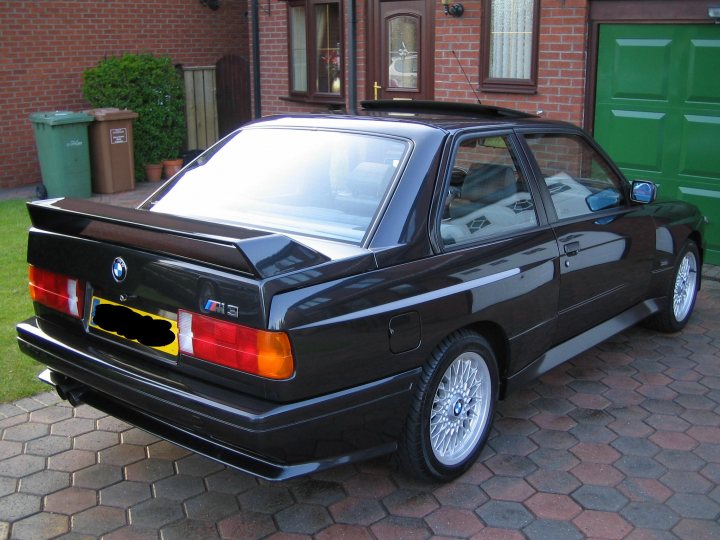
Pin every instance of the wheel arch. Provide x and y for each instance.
(498, 340)
(696, 237)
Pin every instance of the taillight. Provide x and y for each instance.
(56, 291)
(267, 354)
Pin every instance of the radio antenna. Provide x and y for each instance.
(466, 77)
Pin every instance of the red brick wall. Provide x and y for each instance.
(561, 68)
(561, 60)
(46, 45)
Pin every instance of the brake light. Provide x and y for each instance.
(267, 354)
(56, 291)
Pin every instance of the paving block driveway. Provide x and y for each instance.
(622, 442)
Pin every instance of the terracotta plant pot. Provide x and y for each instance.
(171, 167)
(153, 172)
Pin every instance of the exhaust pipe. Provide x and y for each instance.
(68, 389)
(73, 393)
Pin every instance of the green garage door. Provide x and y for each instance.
(657, 111)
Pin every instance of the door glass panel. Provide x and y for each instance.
(487, 196)
(403, 33)
(327, 52)
(579, 179)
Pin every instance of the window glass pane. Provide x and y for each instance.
(403, 52)
(327, 48)
(487, 195)
(580, 181)
(276, 179)
(511, 38)
(298, 60)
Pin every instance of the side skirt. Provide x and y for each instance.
(582, 342)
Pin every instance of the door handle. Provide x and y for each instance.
(572, 248)
(376, 87)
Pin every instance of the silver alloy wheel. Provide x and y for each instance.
(460, 409)
(685, 286)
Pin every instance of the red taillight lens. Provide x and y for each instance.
(56, 291)
(267, 354)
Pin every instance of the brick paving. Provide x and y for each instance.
(621, 442)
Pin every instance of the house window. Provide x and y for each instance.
(315, 50)
(508, 55)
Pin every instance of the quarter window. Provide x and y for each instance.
(316, 66)
(509, 47)
(487, 195)
(579, 179)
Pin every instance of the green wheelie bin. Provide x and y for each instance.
(62, 144)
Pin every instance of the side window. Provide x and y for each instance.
(487, 195)
(580, 181)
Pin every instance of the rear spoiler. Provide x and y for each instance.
(258, 253)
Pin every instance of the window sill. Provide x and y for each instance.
(508, 88)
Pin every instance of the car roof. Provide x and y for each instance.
(446, 116)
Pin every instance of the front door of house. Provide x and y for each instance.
(400, 50)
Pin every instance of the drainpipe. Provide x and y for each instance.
(256, 57)
(352, 57)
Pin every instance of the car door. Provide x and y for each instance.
(493, 226)
(606, 244)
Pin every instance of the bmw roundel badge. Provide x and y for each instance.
(119, 270)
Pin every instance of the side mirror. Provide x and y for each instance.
(643, 191)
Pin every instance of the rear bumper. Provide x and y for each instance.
(270, 440)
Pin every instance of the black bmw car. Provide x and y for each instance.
(316, 290)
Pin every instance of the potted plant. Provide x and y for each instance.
(152, 87)
(172, 166)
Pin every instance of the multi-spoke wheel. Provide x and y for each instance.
(682, 292)
(453, 410)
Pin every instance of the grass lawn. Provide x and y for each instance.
(18, 371)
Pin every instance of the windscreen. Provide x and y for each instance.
(327, 184)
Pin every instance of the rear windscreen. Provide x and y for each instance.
(327, 184)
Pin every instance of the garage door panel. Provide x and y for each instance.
(637, 138)
(704, 60)
(657, 110)
(635, 75)
(700, 146)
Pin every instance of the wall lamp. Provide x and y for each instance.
(714, 13)
(454, 10)
(212, 4)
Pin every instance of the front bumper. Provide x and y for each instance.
(275, 441)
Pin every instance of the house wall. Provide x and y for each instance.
(46, 45)
(561, 60)
(561, 68)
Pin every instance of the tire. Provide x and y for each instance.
(682, 292)
(450, 420)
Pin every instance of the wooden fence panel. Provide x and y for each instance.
(200, 107)
(233, 93)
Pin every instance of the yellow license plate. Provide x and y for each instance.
(134, 325)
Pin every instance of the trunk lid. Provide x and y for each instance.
(173, 263)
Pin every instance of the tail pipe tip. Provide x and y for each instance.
(68, 389)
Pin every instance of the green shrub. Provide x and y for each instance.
(151, 87)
